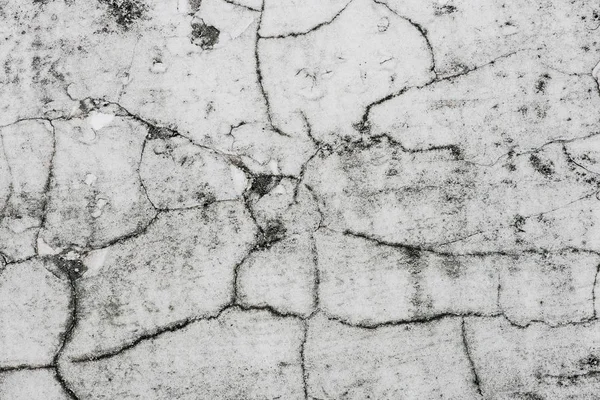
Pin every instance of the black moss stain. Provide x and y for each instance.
(126, 12)
(542, 82)
(445, 9)
(263, 184)
(203, 35)
(274, 231)
(73, 268)
(543, 167)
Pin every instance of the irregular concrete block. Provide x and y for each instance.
(414, 361)
(126, 291)
(201, 80)
(293, 17)
(537, 362)
(363, 282)
(282, 276)
(96, 196)
(34, 312)
(328, 76)
(266, 152)
(239, 355)
(283, 207)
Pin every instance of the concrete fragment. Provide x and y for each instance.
(84, 215)
(28, 147)
(34, 310)
(178, 174)
(31, 385)
(240, 354)
(362, 282)
(420, 361)
(327, 77)
(553, 288)
(282, 277)
(537, 362)
(127, 289)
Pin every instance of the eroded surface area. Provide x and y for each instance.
(284, 199)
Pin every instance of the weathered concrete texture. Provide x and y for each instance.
(420, 361)
(126, 291)
(537, 362)
(239, 355)
(34, 312)
(31, 385)
(286, 199)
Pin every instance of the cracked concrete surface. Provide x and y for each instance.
(284, 199)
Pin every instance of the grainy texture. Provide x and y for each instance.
(299, 199)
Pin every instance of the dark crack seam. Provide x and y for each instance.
(173, 327)
(66, 338)
(314, 28)
(365, 118)
(259, 75)
(475, 377)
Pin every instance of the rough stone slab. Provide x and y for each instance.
(282, 276)
(328, 76)
(239, 355)
(27, 149)
(418, 361)
(31, 385)
(363, 282)
(126, 291)
(96, 196)
(436, 199)
(34, 311)
(537, 362)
